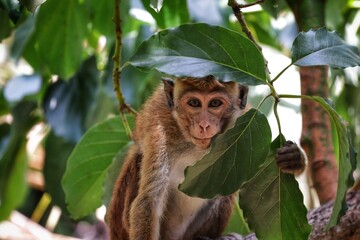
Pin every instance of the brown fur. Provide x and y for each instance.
(146, 203)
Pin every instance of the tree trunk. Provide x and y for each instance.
(316, 136)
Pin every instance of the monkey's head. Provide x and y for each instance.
(204, 107)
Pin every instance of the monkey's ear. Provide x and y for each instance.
(169, 91)
(243, 92)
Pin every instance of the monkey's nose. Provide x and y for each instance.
(204, 127)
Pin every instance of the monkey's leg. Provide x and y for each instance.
(211, 221)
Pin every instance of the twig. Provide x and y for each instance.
(122, 106)
(236, 7)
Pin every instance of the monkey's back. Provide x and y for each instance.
(127, 185)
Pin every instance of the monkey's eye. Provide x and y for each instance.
(194, 102)
(215, 103)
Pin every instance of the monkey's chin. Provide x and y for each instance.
(202, 143)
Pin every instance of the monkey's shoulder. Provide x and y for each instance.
(156, 117)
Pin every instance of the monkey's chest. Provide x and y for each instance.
(180, 213)
(181, 210)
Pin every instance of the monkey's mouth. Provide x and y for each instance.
(203, 143)
(202, 139)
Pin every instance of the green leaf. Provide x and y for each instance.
(13, 161)
(260, 25)
(321, 47)
(102, 14)
(274, 7)
(273, 204)
(31, 5)
(14, 188)
(5, 25)
(237, 222)
(156, 5)
(199, 50)
(12, 9)
(22, 36)
(88, 165)
(53, 160)
(345, 168)
(169, 14)
(334, 13)
(71, 101)
(234, 158)
(113, 173)
(60, 30)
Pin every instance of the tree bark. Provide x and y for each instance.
(316, 138)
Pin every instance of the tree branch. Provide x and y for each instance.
(122, 106)
(236, 7)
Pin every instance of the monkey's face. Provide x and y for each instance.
(203, 114)
(204, 107)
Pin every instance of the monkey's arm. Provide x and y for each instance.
(125, 191)
(147, 209)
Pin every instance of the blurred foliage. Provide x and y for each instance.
(56, 63)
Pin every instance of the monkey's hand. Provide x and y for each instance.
(290, 158)
(232, 236)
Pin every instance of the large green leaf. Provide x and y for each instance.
(199, 50)
(71, 101)
(102, 14)
(53, 160)
(345, 168)
(13, 159)
(113, 173)
(274, 7)
(237, 222)
(156, 4)
(12, 9)
(22, 36)
(234, 158)
(60, 31)
(32, 4)
(334, 13)
(273, 204)
(14, 187)
(321, 47)
(88, 165)
(5, 24)
(167, 14)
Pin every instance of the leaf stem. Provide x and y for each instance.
(273, 91)
(276, 103)
(294, 96)
(122, 106)
(277, 76)
(262, 101)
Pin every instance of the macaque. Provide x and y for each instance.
(173, 131)
(291, 159)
